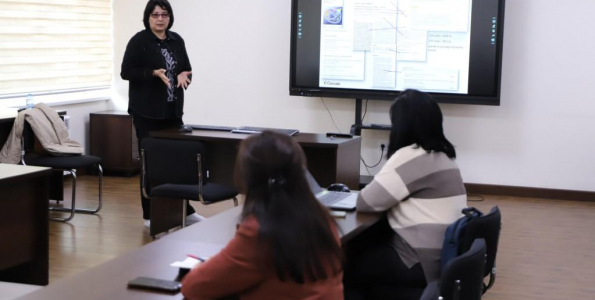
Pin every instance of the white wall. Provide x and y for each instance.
(542, 135)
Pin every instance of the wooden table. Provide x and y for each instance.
(11, 291)
(24, 226)
(330, 160)
(221, 228)
(108, 281)
(113, 138)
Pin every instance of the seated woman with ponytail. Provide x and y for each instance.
(286, 246)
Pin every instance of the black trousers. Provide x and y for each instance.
(374, 269)
(143, 126)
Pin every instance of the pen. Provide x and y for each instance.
(202, 259)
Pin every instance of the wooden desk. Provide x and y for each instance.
(10, 290)
(329, 160)
(108, 281)
(24, 221)
(225, 227)
(113, 138)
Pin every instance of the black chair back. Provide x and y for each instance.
(462, 277)
(176, 161)
(28, 137)
(486, 227)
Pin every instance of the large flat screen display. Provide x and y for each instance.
(373, 49)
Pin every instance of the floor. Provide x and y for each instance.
(546, 251)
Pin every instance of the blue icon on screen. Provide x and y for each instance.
(333, 16)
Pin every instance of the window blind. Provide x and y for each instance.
(53, 45)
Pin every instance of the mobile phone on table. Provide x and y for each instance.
(155, 284)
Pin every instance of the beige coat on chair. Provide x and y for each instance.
(49, 129)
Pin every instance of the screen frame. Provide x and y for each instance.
(391, 95)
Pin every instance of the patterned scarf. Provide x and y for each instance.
(170, 66)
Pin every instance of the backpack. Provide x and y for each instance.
(454, 234)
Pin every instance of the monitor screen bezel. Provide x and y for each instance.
(295, 90)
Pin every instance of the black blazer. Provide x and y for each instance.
(147, 95)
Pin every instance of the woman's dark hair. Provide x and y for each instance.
(416, 119)
(164, 4)
(294, 227)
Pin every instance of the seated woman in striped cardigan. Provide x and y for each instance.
(421, 189)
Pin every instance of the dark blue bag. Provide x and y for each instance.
(454, 234)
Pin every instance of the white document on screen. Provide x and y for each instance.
(395, 44)
(338, 59)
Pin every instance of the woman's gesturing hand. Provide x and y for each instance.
(161, 74)
(183, 79)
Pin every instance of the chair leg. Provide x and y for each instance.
(491, 281)
(235, 201)
(184, 212)
(457, 290)
(73, 209)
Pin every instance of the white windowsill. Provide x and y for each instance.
(13, 104)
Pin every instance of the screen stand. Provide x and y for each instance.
(356, 128)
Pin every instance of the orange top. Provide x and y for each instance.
(239, 269)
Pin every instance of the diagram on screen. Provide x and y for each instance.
(396, 44)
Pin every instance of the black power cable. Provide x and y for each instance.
(381, 155)
(475, 197)
(329, 113)
(365, 110)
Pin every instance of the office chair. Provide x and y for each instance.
(63, 164)
(176, 170)
(462, 277)
(486, 227)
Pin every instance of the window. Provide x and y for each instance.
(53, 46)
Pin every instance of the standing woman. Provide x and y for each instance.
(158, 70)
(286, 245)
